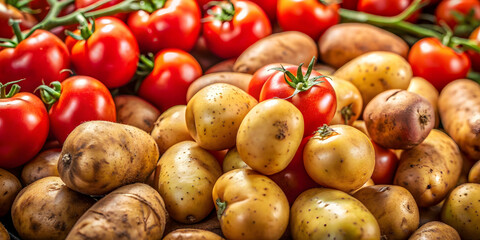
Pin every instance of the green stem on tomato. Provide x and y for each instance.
(50, 95)
(15, 23)
(13, 90)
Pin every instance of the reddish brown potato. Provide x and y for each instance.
(3, 233)
(425, 89)
(223, 66)
(9, 188)
(43, 165)
(435, 230)
(192, 234)
(134, 111)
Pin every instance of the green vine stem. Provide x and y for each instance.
(13, 90)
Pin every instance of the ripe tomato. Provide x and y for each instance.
(110, 54)
(385, 165)
(308, 16)
(386, 7)
(475, 56)
(176, 25)
(8, 11)
(349, 4)
(166, 86)
(444, 10)
(40, 7)
(231, 27)
(437, 63)
(86, 3)
(260, 77)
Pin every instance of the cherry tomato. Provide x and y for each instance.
(308, 16)
(176, 25)
(166, 86)
(385, 165)
(444, 10)
(230, 31)
(110, 54)
(86, 3)
(437, 63)
(475, 56)
(8, 11)
(260, 77)
(386, 8)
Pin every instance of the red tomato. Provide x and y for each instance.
(437, 63)
(385, 165)
(244, 24)
(260, 77)
(176, 25)
(386, 7)
(349, 4)
(40, 7)
(110, 54)
(86, 3)
(308, 16)
(444, 10)
(8, 11)
(475, 56)
(219, 155)
(166, 86)
(39, 58)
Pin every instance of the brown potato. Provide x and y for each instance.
(134, 111)
(394, 208)
(398, 119)
(286, 47)
(134, 211)
(344, 42)
(211, 224)
(240, 80)
(349, 102)
(430, 214)
(171, 128)
(4, 233)
(9, 188)
(99, 156)
(425, 89)
(474, 174)
(435, 230)
(48, 209)
(43, 165)
(192, 234)
(223, 66)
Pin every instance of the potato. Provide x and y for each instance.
(474, 174)
(375, 72)
(9, 188)
(461, 210)
(399, 119)
(211, 224)
(360, 125)
(431, 169)
(394, 208)
(233, 161)
(368, 183)
(240, 80)
(171, 128)
(4, 233)
(349, 102)
(324, 69)
(134, 111)
(223, 66)
(184, 178)
(435, 230)
(48, 209)
(459, 108)
(269, 135)
(43, 165)
(134, 211)
(322, 213)
(287, 47)
(99, 156)
(425, 89)
(430, 214)
(344, 42)
(192, 234)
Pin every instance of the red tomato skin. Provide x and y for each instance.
(386, 8)
(259, 78)
(444, 10)
(386, 163)
(475, 56)
(6, 12)
(229, 39)
(24, 129)
(39, 58)
(86, 3)
(110, 54)
(437, 63)
(82, 99)
(166, 86)
(349, 4)
(176, 25)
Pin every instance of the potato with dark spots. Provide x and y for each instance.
(425, 89)
(192, 234)
(135, 111)
(100, 156)
(285, 47)
(48, 209)
(474, 174)
(233, 161)
(394, 208)
(250, 206)
(43, 165)
(322, 213)
(240, 80)
(4, 233)
(349, 102)
(214, 115)
(184, 177)
(134, 211)
(269, 136)
(435, 230)
(170, 128)
(9, 188)
(398, 119)
(431, 169)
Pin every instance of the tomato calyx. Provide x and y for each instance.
(221, 207)
(227, 11)
(466, 23)
(13, 90)
(347, 113)
(85, 30)
(50, 95)
(152, 5)
(325, 132)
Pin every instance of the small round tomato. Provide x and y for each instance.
(386, 7)
(437, 63)
(261, 76)
(385, 165)
(445, 11)
(475, 56)
(8, 11)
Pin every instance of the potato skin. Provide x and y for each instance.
(233, 160)
(9, 188)
(170, 128)
(435, 230)
(3, 233)
(223, 66)
(134, 211)
(349, 102)
(459, 108)
(48, 209)
(192, 234)
(399, 119)
(285, 47)
(394, 208)
(134, 111)
(184, 178)
(99, 156)
(431, 169)
(474, 174)
(425, 89)
(240, 80)
(322, 213)
(43, 165)
(344, 42)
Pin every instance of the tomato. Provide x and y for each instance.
(175, 25)
(166, 86)
(37, 59)
(475, 56)
(231, 27)
(437, 63)
(23, 127)
(386, 7)
(444, 10)
(8, 11)
(110, 54)
(349, 4)
(40, 8)
(316, 98)
(86, 3)
(308, 16)
(385, 165)
(260, 77)
(78, 99)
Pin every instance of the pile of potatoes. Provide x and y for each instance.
(204, 170)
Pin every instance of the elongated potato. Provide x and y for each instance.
(286, 47)
(425, 89)
(99, 156)
(223, 66)
(435, 230)
(240, 80)
(134, 211)
(9, 188)
(192, 234)
(459, 108)
(134, 111)
(43, 165)
(349, 102)
(3, 233)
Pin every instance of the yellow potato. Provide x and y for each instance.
(474, 174)
(9, 188)
(240, 80)
(233, 161)
(349, 102)
(43, 165)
